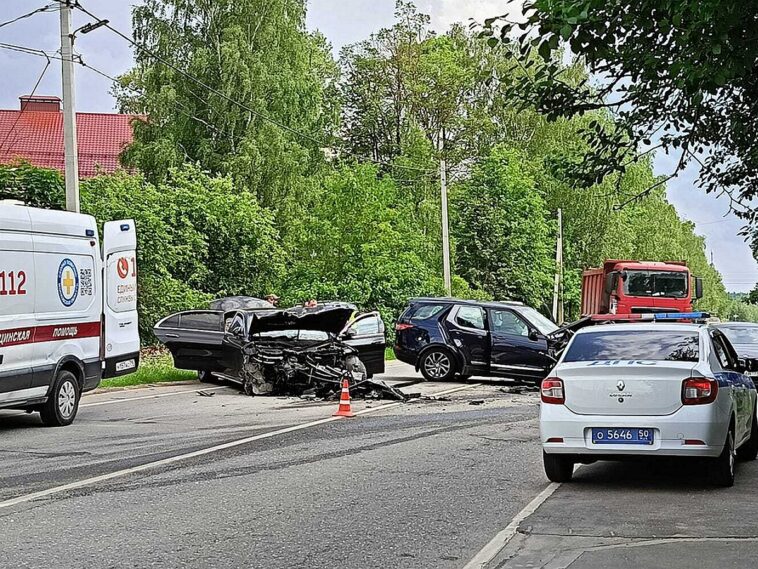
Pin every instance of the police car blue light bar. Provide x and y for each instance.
(650, 317)
(681, 316)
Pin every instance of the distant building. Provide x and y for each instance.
(34, 134)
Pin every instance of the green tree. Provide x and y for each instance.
(504, 238)
(681, 70)
(254, 52)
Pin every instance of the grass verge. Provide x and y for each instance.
(156, 366)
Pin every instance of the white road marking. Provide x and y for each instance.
(154, 396)
(202, 452)
(497, 543)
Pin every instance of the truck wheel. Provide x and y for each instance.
(63, 403)
(558, 467)
(749, 450)
(722, 468)
(437, 365)
(204, 376)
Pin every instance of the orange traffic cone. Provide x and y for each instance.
(344, 408)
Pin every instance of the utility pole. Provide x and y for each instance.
(558, 285)
(445, 230)
(69, 109)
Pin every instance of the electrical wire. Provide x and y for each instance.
(21, 112)
(79, 61)
(229, 99)
(45, 8)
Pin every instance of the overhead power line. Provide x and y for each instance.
(46, 8)
(240, 104)
(80, 61)
(20, 114)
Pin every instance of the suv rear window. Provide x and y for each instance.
(426, 311)
(664, 345)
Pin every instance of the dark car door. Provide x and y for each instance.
(366, 334)
(517, 351)
(195, 339)
(466, 325)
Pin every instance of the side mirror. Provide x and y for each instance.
(349, 333)
(698, 288)
(535, 336)
(749, 365)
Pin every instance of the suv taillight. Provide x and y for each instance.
(699, 391)
(400, 327)
(552, 391)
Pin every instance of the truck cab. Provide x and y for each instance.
(639, 287)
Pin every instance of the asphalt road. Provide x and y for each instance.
(422, 484)
(166, 477)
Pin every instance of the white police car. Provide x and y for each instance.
(625, 390)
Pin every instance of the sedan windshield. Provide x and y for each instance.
(655, 283)
(544, 325)
(655, 345)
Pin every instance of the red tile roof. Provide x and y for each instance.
(37, 137)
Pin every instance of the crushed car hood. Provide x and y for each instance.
(331, 318)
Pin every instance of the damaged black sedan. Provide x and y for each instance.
(268, 351)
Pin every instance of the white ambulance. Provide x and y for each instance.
(68, 308)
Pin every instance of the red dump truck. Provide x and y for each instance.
(639, 287)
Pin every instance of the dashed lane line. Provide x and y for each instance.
(202, 452)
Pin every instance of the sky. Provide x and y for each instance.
(342, 22)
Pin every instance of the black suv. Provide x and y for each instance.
(445, 337)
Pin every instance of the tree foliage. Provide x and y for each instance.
(503, 231)
(228, 203)
(269, 111)
(680, 72)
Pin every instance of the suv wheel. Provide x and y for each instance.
(63, 402)
(437, 365)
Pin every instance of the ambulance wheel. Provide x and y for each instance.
(63, 403)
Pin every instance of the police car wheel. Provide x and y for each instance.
(558, 467)
(63, 402)
(749, 450)
(722, 468)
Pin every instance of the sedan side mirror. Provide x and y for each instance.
(535, 336)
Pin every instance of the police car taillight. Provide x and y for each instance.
(552, 391)
(699, 390)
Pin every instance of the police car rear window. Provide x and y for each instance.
(663, 345)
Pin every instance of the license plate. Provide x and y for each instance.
(622, 436)
(125, 365)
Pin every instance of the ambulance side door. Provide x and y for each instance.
(121, 333)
